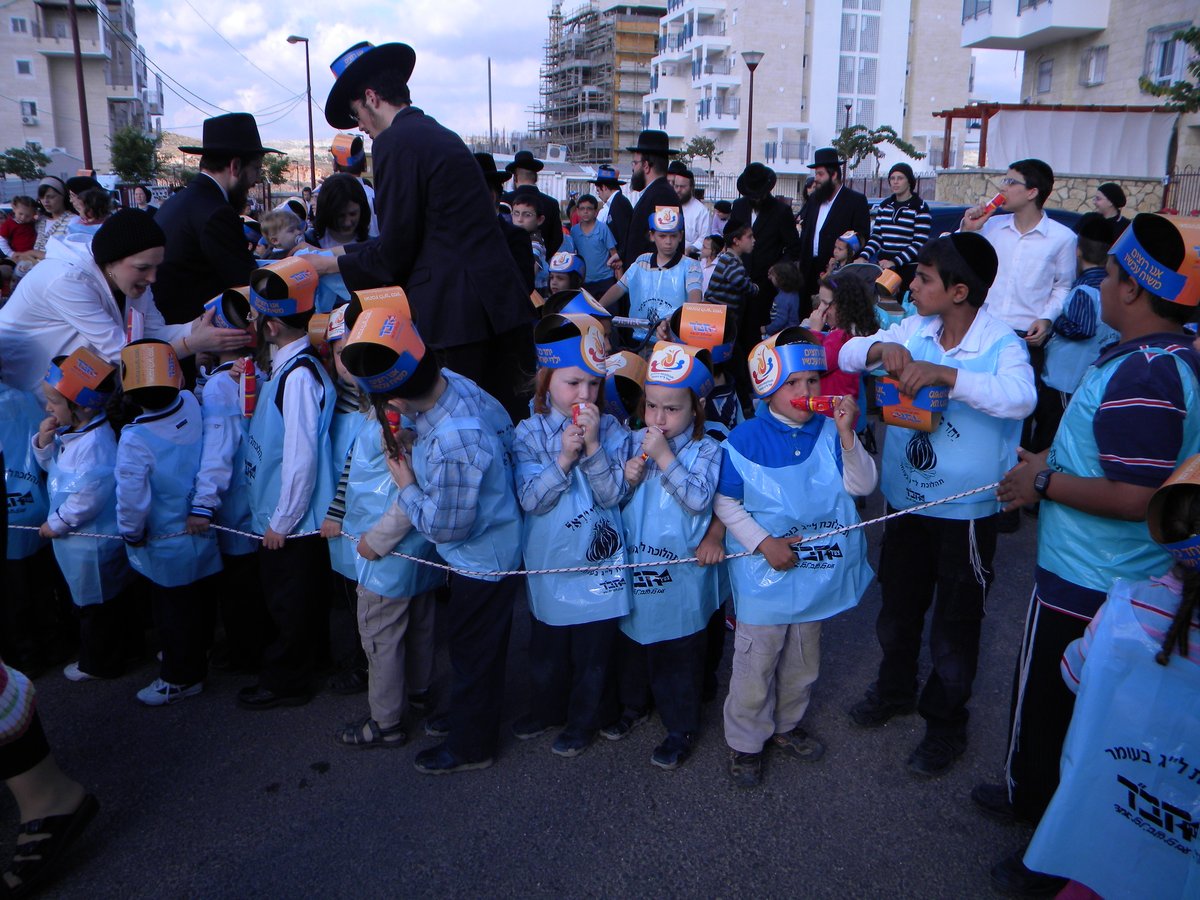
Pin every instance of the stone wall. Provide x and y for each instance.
(1071, 192)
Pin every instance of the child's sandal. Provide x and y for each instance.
(367, 733)
(36, 859)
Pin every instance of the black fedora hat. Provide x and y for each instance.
(756, 180)
(678, 168)
(491, 174)
(233, 134)
(826, 156)
(356, 63)
(525, 160)
(607, 176)
(653, 142)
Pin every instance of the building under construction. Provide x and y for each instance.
(595, 73)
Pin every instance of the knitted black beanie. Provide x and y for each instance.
(125, 233)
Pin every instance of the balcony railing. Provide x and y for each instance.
(787, 151)
(710, 28)
(721, 67)
(972, 9)
(718, 109)
(673, 5)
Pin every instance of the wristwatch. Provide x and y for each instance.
(1041, 482)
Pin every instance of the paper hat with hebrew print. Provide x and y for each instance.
(712, 326)
(624, 384)
(1185, 551)
(382, 350)
(564, 262)
(850, 239)
(284, 288)
(576, 302)
(779, 356)
(347, 150)
(79, 378)
(570, 340)
(1162, 255)
(679, 366)
(666, 219)
(149, 363)
(336, 329)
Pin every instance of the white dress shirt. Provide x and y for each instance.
(822, 215)
(1036, 270)
(221, 391)
(697, 223)
(301, 414)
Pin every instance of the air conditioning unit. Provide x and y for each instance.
(556, 153)
(29, 120)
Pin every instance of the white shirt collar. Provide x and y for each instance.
(224, 193)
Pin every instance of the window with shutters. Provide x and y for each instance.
(1092, 65)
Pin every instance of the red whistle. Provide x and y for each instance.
(249, 389)
(820, 404)
(576, 408)
(994, 204)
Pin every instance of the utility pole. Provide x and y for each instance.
(83, 113)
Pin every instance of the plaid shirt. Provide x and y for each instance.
(444, 505)
(693, 488)
(540, 482)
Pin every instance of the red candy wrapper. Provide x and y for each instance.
(393, 424)
(575, 409)
(821, 404)
(249, 389)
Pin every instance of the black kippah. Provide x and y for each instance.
(1094, 227)
(979, 255)
(125, 233)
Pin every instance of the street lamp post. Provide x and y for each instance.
(849, 106)
(312, 152)
(752, 59)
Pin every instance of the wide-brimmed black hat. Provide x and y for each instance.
(756, 181)
(356, 63)
(525, 160)
(233, 134)
(653, 142)
(491, 174)
(607, 176)
(826, 156)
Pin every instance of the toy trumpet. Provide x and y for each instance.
(825, 403)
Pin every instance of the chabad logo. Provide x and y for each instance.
(764, 368)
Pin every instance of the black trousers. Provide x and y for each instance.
(502, 365)
(1051, 404)
(570, 671)
(185, 617)
(480, 615)
(294, 581)
(927, 561)
(37, 617)
(243, 611)
(109, 634)
(19, 756)
(669, 672)
(714, 651)
(345, 644)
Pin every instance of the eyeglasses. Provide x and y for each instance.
(1009, 182)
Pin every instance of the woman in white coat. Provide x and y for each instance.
(80, 295)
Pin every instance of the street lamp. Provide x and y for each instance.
(312, 153)
(752, 58)
(849, 106)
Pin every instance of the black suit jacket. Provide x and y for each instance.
(849, 212)
(521, 249)
(637, 236)
(620, 214)
(775, 236)
(438, 237)
(551, 227)
(206, 250)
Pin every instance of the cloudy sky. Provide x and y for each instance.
(215, 59)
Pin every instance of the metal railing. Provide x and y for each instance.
(1183, 190)
(974, 8)
(718, 109)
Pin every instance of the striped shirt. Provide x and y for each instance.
(729, 283)
(1079, 320)
(899, 231)
(16, 704)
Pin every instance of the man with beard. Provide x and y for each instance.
(697, 220)
(206, 248)
(831, 211)
(650, 177)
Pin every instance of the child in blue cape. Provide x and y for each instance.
(787, 473)
(158, 456)
(569, 483)
(672, 468)
(78, 449)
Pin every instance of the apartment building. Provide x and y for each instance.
(594, 74)
(39, 97)
(825, 64)
(1092, 52)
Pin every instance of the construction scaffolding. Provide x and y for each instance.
(594, 74)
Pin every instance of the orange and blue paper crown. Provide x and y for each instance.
(666, 219)
(624, 383)
(287, 287)
(347, 150)
(679, 366)
(396, 345)
(1180, 285)
(78, 378)
(581, 303)
(710, 326)
(1186, 552)
(565, 263)
(580, 343)
(771, 365)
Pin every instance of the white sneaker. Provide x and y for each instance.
(74, 673)
(161, 693)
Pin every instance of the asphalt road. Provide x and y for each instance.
(202, 799)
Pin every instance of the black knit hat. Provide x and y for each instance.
(906, 170)
(979, 255)
(125, 233)
(1113, 193)
(1094, 227)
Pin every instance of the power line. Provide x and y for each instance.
(233, 48)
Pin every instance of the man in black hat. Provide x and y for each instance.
(438, 237)
(832, 210)
(650, 158)
(617, 212)
(697, 219)
(775, 238)
(524, 169)
(206, 247)
(516, 238)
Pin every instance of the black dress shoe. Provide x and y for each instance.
(440, 760)
(258, 697)
(1012, 876)
(934, 756)
(992, 800)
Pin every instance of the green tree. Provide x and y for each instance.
(1183, 95)
(134, 154)
(858, 142)
(24, 163)
(701, 148)
(275, 169)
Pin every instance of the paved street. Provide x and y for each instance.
(205, 800)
